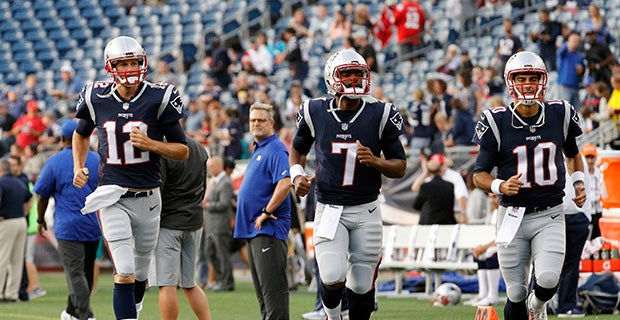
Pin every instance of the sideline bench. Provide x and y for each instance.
(432, 249)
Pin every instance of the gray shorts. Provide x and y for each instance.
(177, 250)
(31, 244)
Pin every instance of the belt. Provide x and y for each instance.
(139, 194)
(540, 208)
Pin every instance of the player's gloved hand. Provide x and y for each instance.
(580, 193)
(302, 184)
(80, 177)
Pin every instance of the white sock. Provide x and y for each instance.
(493, 284)
(333, 314)
(483, 283)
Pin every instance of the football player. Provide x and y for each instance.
(132, 116)
(356, 140)
(525, 141)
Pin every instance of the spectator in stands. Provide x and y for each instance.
(469, 94)
(366, 50)
(493, 80)
(462, 125)
(14, 103)
(440, 99)
(464, 13)
(194, 115)
(419, 120)
(507, 45)
(593, 189)
(433, 209)
(361, 21)
(296, 54)
(15, 201)
(599, 58)
(67, 91)
(409, 19)
(597, 23)
(50, 138)
(349, 10)
(165, 74)
(259, 56)
(488, 265)
(218, 64)
(29, 127)
(613, 103)
(570, 70)
(229, 133)
(339, 29)
(451, 60)
(300, 23)
(320, 23)
(77, 234)
(546, 38)
(7, 121)
(32, 91)
(210, 89)
(590, 105)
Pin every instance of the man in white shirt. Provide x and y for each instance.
(593, 175)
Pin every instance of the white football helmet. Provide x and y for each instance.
(525, 62)
(448, 294)
(347, 59)
(124, 48)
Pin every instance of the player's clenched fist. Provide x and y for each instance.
(80, 177)
(302, 184)
(365, 155)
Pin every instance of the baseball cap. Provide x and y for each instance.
(437, 157)
(67, 128)
(32, 105)
(66, 68)
(588, 81)
(588, 150)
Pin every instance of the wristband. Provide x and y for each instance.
(40, 221)
(266, 212)
(577, 176)
(295, 171)
(495, 186)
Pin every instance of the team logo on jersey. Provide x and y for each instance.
(298, 118)
(397, 120)
(575, 117)
(344, 126)
(125, 105)
(481, 128)
(177, 103)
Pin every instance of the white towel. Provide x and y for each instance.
(510, 225)
(103, 197)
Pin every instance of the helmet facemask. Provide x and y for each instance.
(129, 77)
(517, 91)
(360, 84)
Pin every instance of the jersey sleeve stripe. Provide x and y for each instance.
(164, 101)
(384, 118)
(306, 108)
(89, 103)
(494, 128)
(566, 119)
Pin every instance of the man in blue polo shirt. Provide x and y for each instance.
(78, 235)
(264, 214)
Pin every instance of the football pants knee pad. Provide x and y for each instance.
(143, 261)
(547, 279)
(516, 293)
(122, 256)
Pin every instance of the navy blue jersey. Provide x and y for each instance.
(533, 149)
(341, 178)
(155, 106)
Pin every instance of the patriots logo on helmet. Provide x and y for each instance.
(481, 129)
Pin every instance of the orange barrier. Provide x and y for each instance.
(486, 313)
(309, 230)
(610, 167)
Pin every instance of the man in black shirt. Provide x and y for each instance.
(183, 187)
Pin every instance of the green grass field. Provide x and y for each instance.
(239, 304)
